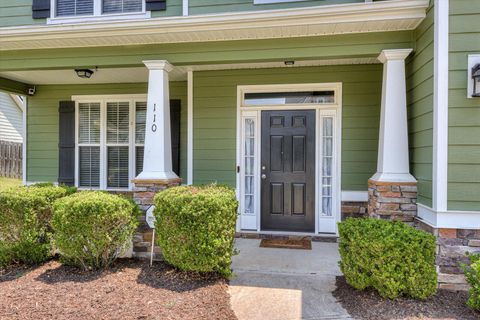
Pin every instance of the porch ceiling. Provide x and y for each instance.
(140, 74)
(364, 17)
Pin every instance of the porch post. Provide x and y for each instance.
(157, 174)
(157, 160)
(392, 189)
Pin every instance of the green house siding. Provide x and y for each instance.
(218, 6)
(42, 123)
(464, 114)
(420, 107)
(17, 13)
(215, 105)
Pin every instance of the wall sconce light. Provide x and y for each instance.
(476, 81)
(84, 73)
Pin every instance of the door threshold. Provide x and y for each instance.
(288, 235)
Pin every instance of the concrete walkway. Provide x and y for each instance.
(285, 284)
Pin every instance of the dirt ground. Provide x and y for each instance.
(130, 290)
(368, 305)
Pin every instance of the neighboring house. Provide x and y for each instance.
(11, 121)
(311, 109)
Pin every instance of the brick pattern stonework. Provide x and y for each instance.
(392, 200)
(452, 245)
(143, 194)
(354, 209)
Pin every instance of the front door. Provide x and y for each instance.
(288, 170)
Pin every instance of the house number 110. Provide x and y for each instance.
(154, 126)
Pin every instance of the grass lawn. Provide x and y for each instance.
(6, 183)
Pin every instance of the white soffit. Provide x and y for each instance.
(364, 17)
(140, 74)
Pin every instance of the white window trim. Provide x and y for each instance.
(103, 99)
(97, 15)
(246, 222)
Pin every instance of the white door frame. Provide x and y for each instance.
(323, 224)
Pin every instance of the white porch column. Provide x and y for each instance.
(393, 160)
(157, 160)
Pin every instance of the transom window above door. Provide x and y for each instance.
(91, 9)
(297, 95)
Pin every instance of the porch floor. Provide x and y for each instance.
(285, 284)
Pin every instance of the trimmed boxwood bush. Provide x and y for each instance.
(92, 228)
(25, 215)
(472, 274)
(196, 227)
(391, 257)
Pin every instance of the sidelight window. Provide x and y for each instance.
(327, 165)
(249, 158)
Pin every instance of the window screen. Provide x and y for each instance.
(74, 8)
(121, 6)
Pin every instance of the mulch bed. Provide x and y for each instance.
(368, 305)
(130, 290)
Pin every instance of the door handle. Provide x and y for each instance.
(264, 176)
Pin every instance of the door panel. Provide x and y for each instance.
(288, 170)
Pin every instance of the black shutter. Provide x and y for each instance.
(40, 9)
(175, 130)
(66, 145)
(156, 5)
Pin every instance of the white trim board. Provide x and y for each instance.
(322, 20)
(440, 107)
(354, 196)
(449, 218)
(190, 127)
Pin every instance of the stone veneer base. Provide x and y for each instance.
(143, 194)
(452, 245)
(392, 200)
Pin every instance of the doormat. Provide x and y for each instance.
(286, 244)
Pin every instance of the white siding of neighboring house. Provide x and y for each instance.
(10, 119)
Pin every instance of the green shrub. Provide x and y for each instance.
(391, 257)
(472, 274)
(92, 228)
(25, 215)
(196, 227)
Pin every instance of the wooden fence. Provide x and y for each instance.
(10, 159)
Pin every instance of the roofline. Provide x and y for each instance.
(401, 14)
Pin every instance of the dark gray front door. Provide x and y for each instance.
(288, 170)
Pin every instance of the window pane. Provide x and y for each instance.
(140, 121)
(89, 163)
(117, 166)
(117, 122)
(249, 160)
(302, 97)
(120, 6)
(89, 123)
(327, 164)
(74, 8)
(139, 160)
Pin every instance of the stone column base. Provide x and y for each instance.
(392, 200)
(452, 245)
(143, 193)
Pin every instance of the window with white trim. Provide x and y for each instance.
(110, 137)
(96, 8)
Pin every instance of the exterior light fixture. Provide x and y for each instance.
(476, 81)
(84, 73)
(289, 63)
